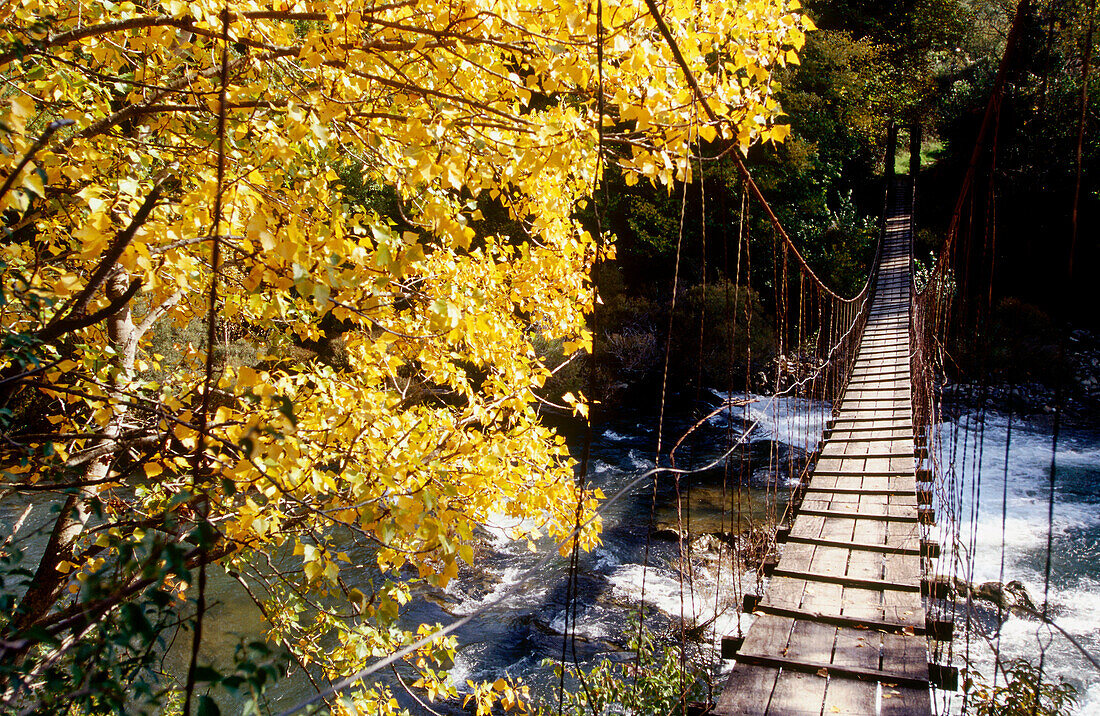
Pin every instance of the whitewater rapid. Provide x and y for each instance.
(1006, 520)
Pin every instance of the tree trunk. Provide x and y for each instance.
(48, 581)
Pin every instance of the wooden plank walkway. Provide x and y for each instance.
(841, 626)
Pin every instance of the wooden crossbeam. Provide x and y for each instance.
(841, 620)
(844, 580)
(871, 439)
(886, 491)
(870, 456)
(857, 546)
(832, 670)
(863, 473)
(858, 515)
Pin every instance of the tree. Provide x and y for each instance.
(179, 169)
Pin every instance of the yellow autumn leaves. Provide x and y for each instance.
(426, 425)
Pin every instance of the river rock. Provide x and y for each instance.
(669, 532)
(708, 544)
(1010, 596)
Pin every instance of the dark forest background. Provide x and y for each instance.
(929, 63)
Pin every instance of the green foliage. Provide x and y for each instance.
(739, 333)
(115, 666)
(654, 217)
(838, 97)
(820, 179)
(660, 682)
(111, 668)
(1023, 692)
(918, 45)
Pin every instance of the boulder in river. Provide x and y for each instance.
(1010, 596)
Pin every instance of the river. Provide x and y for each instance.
(517, 639)
(633, 566)
(978, 444)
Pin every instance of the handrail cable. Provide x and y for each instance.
(772, 218)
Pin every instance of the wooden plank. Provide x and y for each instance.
(876, 401)
(848, 581)
(833, 670)
(904, 701)
(900, 483)
(867, 516)
(903, 608)
(910, 547)
(873, 438)
(833, 616)
(836, 453)
(905, 655)
(832, 490)
(797, 691)
(860, 650)
(857, 473)
(749, 688)
(798, 556)
(747, 691)
(857, 430)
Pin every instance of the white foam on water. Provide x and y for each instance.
(588, 625)
(614, 436)
(1078, 609)
(461, 671)
(606, 559)
(797, 422)
(1026, 508)
(663, 590)
(531, 592)
(599, 467)
(1089, 705)
(1020, 538)
(637, 461)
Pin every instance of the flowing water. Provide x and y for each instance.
(1006, 520)
(638, 562)
(1004, 549)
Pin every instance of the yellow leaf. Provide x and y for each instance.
(32, 182)
(22, 107)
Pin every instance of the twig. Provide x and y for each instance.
(38, 144)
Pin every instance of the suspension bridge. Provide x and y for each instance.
(841, 626)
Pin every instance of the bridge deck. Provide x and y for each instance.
(841, 626)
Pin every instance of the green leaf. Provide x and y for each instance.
(208, 707)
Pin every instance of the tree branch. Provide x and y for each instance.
(75, 318)
(38, 144)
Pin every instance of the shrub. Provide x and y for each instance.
(1023, 692)
(659, 682)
